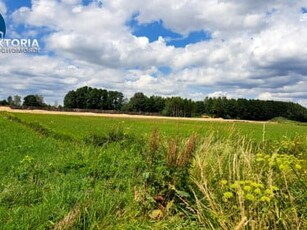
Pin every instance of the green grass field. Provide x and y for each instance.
(77, 172)
(80, 126)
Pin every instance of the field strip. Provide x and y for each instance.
(36, 111)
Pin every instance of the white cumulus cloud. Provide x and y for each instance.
(258, 49)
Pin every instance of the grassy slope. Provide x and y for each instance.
(44, 180)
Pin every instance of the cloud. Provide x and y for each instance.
(3, 8)
(257, 50)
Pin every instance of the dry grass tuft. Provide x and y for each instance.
(68, 221)
(182, 158)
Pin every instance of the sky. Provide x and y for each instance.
(188, 48)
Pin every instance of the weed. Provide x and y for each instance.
(68, 221)
(167, 178)
(235, 188)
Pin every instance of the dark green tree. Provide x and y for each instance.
(103, 99)
(70, 100)
(199, 108)
(17, 100)
(179, 107)
(4, 102)
(155, 104)
(93, 98)
(82, 97)
(138, 103)
(32, 100)
(115, 100)
(10, 100)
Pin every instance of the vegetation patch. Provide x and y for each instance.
(40, 129)
(127, 174)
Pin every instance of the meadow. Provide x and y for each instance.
(78, 172)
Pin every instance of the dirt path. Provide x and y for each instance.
(36, 111)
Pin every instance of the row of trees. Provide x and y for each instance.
(93, 98)
(253, 109)
(173, 106)
(14, 101)
(28, 101)
(217, 107)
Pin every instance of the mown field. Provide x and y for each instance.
(77, 172)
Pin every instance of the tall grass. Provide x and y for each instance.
(238, 186)
(119, 180)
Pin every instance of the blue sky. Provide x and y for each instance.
(182, 48)
(156, 29)
(152, 30)
(14, 5)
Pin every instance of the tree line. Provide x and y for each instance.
(254, 109)
(220, 107)
(28, 101)
(93, 98)
(102, 99)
